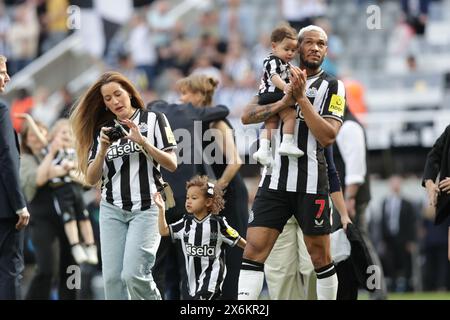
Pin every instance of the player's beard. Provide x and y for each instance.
(310, 64)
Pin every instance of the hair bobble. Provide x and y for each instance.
(210, 190)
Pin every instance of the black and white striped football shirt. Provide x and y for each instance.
(128, 180)
(273, 65)
(64, 154)
(203, 246)
(307, 174)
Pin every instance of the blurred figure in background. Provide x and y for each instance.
(141, 47)
(54, 23)
(5, 24)
(22, 104)
(161, 22)
(416, 14)
(23, 36)
(436, 267)
(68, 194)
(67, 100)
(36, 171)
(399, 236)
(299, 18)
(46, 107)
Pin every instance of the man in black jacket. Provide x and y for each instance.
(399, 233)
(14, 215)
(188, 124)
(439, 192)
(439, 164)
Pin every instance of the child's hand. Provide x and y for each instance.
(159, 200)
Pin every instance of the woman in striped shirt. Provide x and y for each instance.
(128, 166)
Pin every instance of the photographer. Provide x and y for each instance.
(129, 169)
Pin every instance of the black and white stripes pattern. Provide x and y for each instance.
(252, 265)
(326, 271)
(203, 244)
(273, 65)
(68, 154)
(129, 177)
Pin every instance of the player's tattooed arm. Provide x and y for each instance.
(255, 113)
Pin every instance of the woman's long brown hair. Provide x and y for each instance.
(90, 114)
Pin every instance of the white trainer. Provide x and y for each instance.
(91, 252)
(79, 254)
(289, 149)
(264, 157)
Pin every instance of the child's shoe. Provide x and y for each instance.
(79, 254)
(264, 156)
(91, 253)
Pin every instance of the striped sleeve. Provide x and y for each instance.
(176, 229)
(94, 149)
(229, 235)
(164, 137)
(274, 66)
(335, 104)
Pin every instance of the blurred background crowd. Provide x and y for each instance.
(393, 56)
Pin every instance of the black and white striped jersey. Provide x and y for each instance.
(203, 244)
(307, 174)
(273, 65)
(128, 180)
(64, 154)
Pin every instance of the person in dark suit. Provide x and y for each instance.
(14, 215)
(439, 191)
(399, 233)
(438, 164)
(188, 124)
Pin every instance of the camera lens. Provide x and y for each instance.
(115, 134)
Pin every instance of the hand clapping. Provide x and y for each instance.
(298, 80)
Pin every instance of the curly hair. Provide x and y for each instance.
(218, 203)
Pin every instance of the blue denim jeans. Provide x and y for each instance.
(129, 241)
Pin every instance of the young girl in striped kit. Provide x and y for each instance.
(203, 234)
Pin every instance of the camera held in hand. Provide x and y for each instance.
(115, 133)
